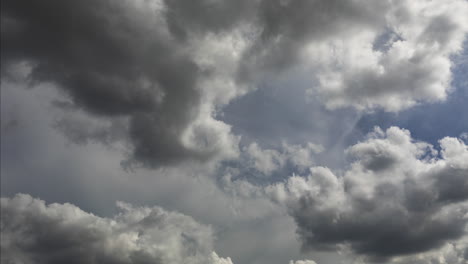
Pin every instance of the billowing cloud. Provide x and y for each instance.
(33, 232)
(385, 54)
(122, 61)
(399, 197)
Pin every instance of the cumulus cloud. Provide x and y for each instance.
(33, 232)
(399, 197)
(126, 60)
(385, 54)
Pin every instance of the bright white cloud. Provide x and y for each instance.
(404, 61)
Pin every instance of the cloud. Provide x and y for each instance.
(387, 54)
(399, 197)
(267, 161)
(33, 232)
(449, 253)
(153, 79)
(122, 61)
(93, 169)
(302, 262)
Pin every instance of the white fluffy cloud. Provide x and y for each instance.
(33, 232)
(398, 197)
(403, 59)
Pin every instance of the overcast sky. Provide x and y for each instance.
(234, 132)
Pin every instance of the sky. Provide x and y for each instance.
(234, 132)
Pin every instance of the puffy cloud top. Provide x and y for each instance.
(398, 197)
(33, 232)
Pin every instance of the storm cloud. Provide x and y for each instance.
(121, 60)
(397, 198)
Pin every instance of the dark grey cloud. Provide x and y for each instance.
(113, 60)
(286, 27)
(383, 207)
(33, 232)
(206, 15)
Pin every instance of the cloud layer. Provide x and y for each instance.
(33, 232)
(158, 83)
(397, 198)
